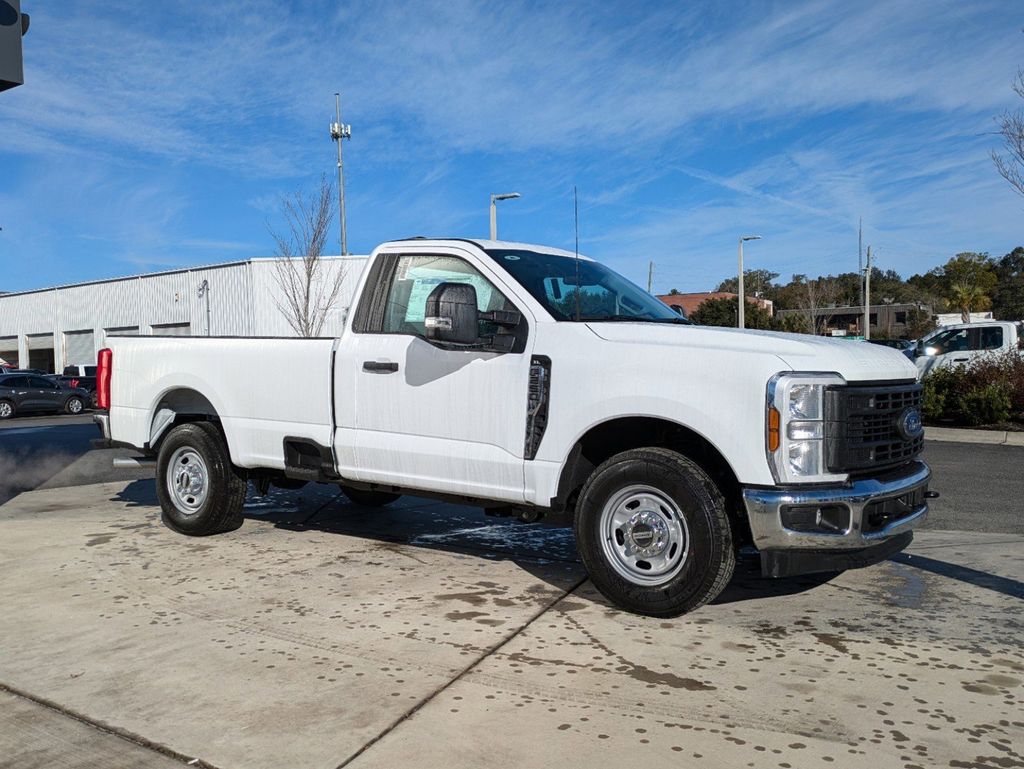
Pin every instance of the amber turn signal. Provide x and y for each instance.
(773, 428)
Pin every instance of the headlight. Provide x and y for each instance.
(795, 436)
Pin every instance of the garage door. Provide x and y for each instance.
(123, 330)
(40, 352)
(9, 350)
(79, 349)
(171, 329)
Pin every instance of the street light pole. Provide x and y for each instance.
(494, 210)
(742, 303)
(340, 131)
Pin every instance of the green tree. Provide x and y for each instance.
(919, 323)
(1008, 297)
(968, 281)
(724, 312)
(795, 324)
(760, 283)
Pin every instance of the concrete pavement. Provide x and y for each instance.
(322, 634)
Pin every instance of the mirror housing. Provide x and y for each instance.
(451, 316)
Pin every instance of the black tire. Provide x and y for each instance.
(74, 405)
(219, 507)
(706, 556)
(370, 498)
(9, 411)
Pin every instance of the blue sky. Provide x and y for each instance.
(156, 135)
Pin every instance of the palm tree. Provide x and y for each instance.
(967, 297)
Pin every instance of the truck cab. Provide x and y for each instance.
(531, 380)
(963, 343)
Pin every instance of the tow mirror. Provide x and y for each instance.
(451, 315)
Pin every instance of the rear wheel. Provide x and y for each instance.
(653, 532)
(200, 491)
(74, 405)
(370, 498)
(6, 409)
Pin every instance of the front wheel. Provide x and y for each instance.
(6, 409)
(200, 491)
(74, 405)
(653, 532)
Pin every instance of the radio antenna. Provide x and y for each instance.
(576, 222)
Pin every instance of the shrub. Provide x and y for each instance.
(987, 391)
(985, 404)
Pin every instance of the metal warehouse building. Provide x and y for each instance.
(51, 328)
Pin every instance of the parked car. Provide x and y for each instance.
(472, 370)
(82, 375)
(31, 393)
(960, 344)
(905, 346)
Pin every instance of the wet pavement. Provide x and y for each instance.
(323, 634)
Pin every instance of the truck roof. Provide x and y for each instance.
(485, 244)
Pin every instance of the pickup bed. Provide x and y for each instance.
(529, 380)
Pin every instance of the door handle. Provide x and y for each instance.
(380, 367)
(960, 360)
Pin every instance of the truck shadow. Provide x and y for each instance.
(546, 550)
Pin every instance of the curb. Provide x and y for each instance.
(960, 435)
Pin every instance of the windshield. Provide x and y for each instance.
(604, 295)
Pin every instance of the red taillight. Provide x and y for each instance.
(103, 371)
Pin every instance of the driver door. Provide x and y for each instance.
(430, 416)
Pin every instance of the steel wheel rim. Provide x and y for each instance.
(5, 409)
(188, 480)
(74, 405)
(644, 535)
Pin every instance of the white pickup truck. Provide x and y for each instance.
(522, 378)
(964, 343)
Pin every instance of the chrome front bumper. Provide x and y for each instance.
(765, 508)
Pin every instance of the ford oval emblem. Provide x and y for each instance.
(909, 425)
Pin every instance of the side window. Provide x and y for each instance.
(991, 338)
(416, 276)
(40, 383)
(955, 340)
(70, 370)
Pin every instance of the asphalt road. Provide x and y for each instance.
(54, 451)
(981, 486)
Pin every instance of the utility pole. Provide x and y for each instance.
(860, 256)
(650, 275)
(867, 296)
(340, 131)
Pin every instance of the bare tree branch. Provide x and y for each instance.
(1011, 127)
(309, 289)
(817, 294)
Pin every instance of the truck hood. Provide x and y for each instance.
(854, 361)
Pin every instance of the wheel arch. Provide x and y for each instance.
(178, 406)
(613, 436)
